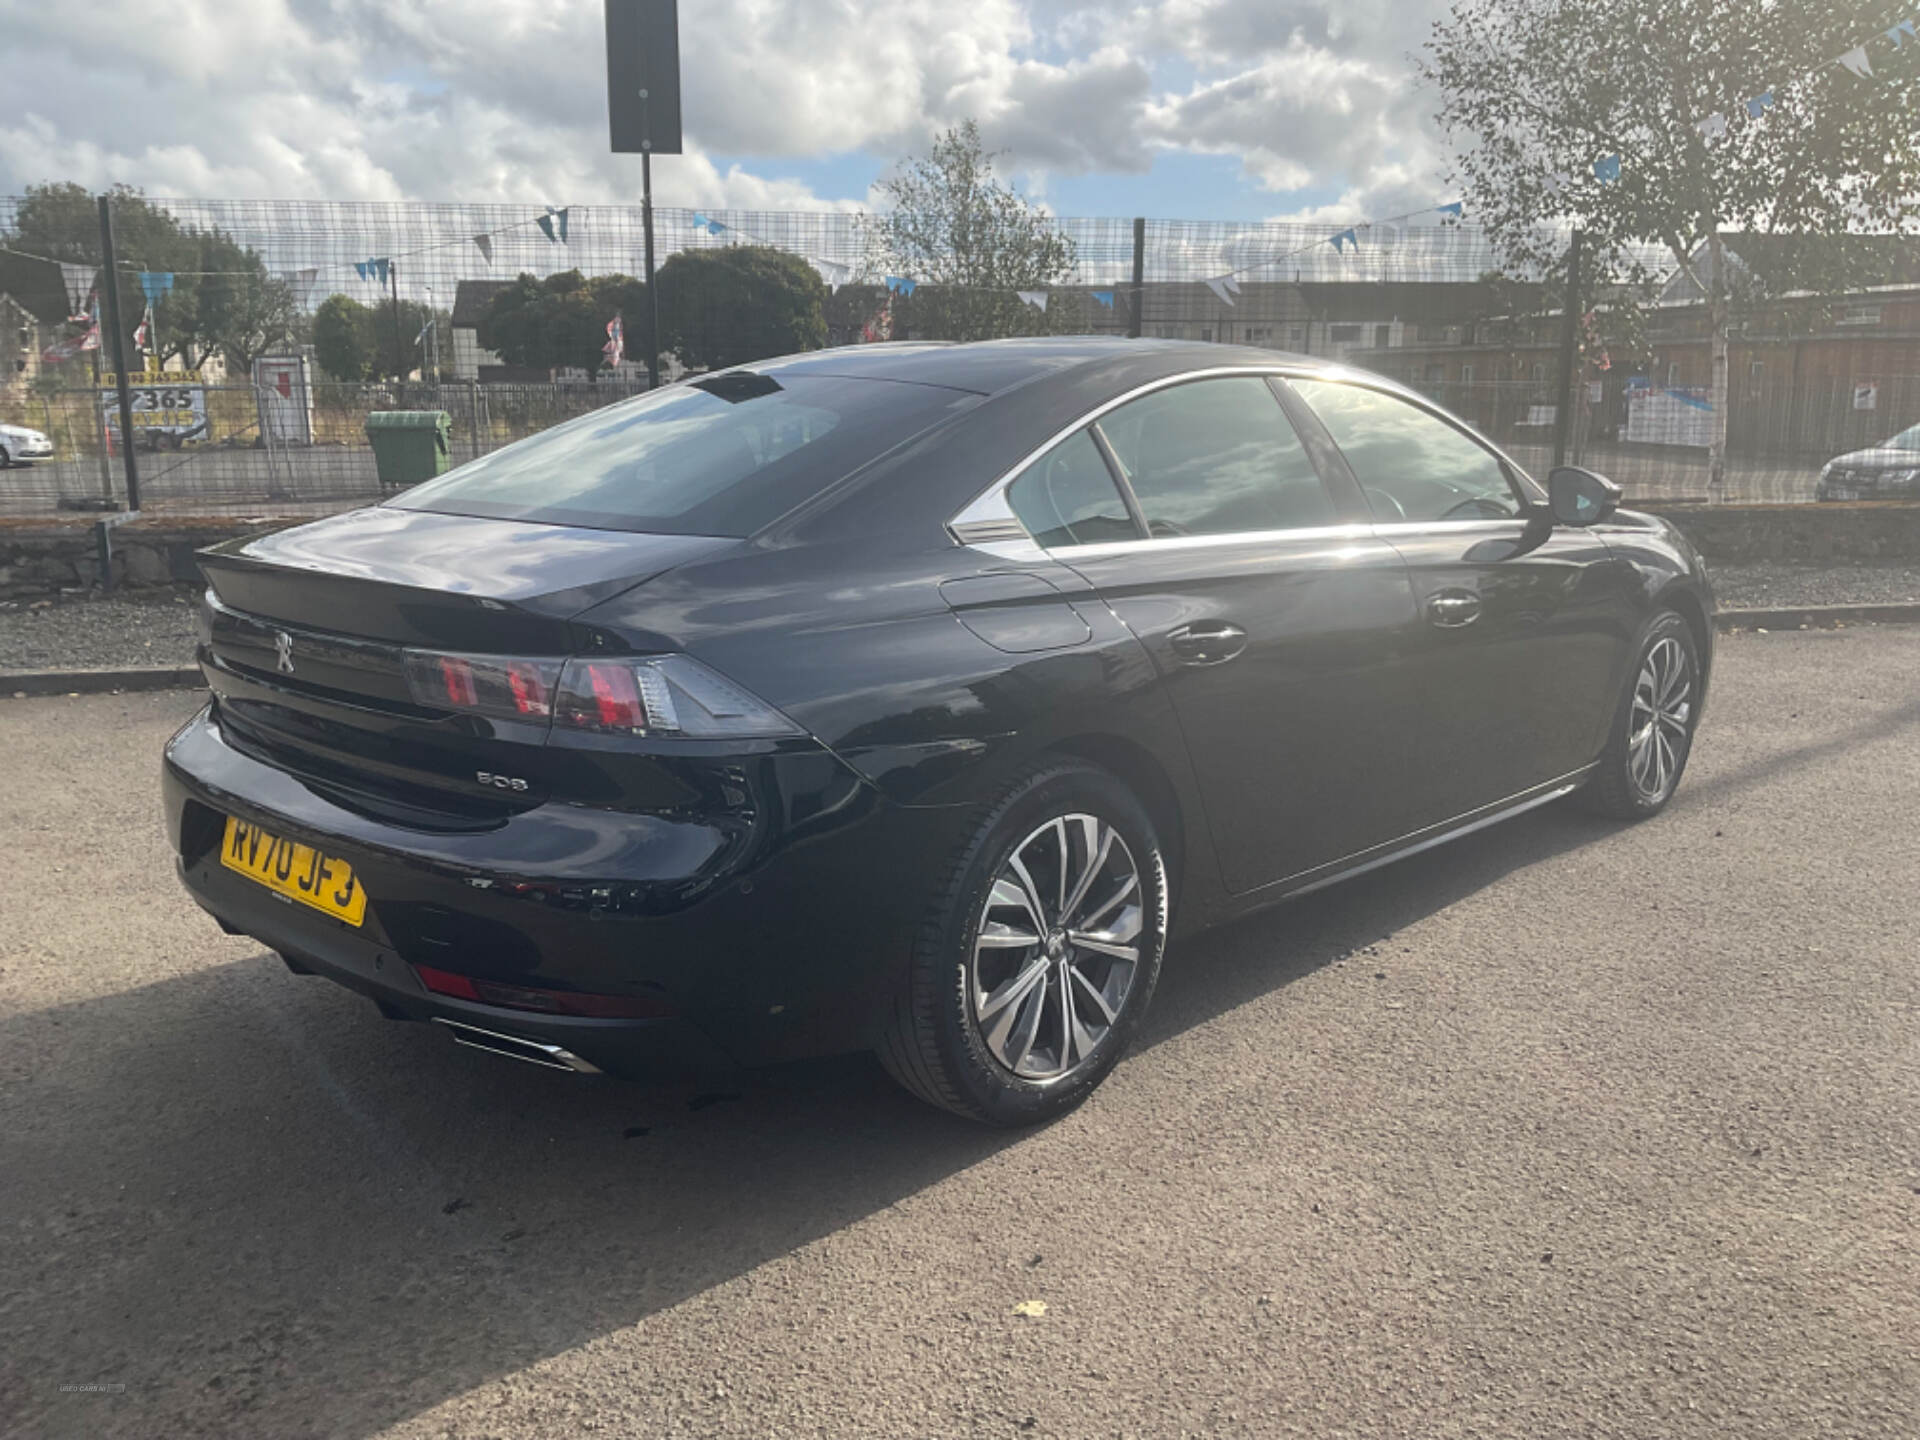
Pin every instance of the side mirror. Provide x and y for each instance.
(1580, 497)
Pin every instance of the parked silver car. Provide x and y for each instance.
(19, 444)
(1889, 470)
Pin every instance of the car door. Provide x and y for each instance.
(1524, 625)
(1276, 621)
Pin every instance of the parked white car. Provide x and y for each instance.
(19, 445)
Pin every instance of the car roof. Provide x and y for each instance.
(991, 367)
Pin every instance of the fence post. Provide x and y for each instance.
(1138, 293)
(473, 416)
(1569, 354)
(110, 270)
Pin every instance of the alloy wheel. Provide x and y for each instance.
(1662, 714)
(1057, 948)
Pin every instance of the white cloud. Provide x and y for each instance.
(503, 100)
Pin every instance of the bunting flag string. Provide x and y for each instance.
(484, 244)
(1035, 298)
(1759, 104)
(1713, 127)
(1349, 236)
(554, 220)
(1856, 61)
(1901, 33)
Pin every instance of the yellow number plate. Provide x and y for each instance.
(298, 872)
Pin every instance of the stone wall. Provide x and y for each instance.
(1873, 530)
(42, 559)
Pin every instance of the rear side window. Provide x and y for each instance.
(1067, 497)
(1412, 465)
(726, 455)
(1216, 457)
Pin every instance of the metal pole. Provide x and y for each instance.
(646, 218)
(1569, 354)
(1139, 274)
(109, 267)
(400, 356)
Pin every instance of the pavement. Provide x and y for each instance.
(1566, 1129)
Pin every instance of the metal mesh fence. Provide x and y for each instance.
(236, 410)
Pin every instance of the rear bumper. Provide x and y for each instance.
(781, 943)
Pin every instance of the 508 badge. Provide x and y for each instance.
(500, 782)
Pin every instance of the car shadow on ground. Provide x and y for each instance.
(260, 1209)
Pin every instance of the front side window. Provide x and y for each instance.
(1067, 497)
(1216, 457)
(1412, 465)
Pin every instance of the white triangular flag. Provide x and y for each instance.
(1223, 287)
(79, 281)
(831, 271)
(1035, 298)
(1856, 61)
(1713, 127)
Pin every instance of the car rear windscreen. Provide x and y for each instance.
(724, 455)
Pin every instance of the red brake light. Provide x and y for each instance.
(458, 675)
(531, 695)
(616, 695)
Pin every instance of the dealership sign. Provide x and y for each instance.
(169, 403)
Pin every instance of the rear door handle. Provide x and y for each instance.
(1210, 642)
(1450, 609)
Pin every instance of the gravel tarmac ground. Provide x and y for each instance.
(1563, 1130)
(156, 628)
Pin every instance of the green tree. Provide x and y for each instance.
(969, 242)
(1535, 94)
(343, 338)
(737, 303)
(559, 321)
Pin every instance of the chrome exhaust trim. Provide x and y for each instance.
(515, 1047)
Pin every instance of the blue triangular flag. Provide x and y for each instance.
(714, 227)
(380, 267)
(360, 267)
(1759, 104)
(899, 285)
(545, 222)
(1455, 208)
(1345, 238)
(1901, 33)
(699, 221)
(560, 218)
(155, 283)
(1607, 169)
(1105, 297)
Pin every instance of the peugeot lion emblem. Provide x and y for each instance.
(283, 647)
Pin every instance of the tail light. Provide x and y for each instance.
(665, 695)
(491, 685)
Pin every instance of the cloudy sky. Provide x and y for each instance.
(1201, 109)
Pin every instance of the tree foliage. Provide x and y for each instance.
(968, 241)
(1535, 94)
(561, 320)
(355, 342)
(223, 299)
(738, 303)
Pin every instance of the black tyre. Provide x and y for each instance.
(6, 460)
(1652, 735)
(1039, 955)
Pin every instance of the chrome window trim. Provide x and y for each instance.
(983, 522)
(1356, 530)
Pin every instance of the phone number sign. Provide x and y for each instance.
(176, 411)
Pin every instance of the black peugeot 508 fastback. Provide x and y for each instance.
(908, 697)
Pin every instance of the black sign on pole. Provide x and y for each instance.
(643, 76)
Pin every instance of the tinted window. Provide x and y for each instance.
(722, 456)
(1215, 457)
(1067, 497)
(1412, 465)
